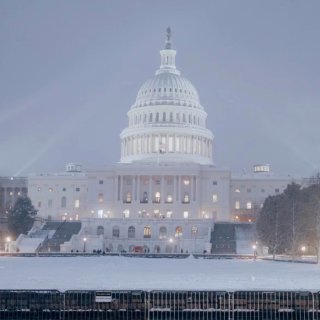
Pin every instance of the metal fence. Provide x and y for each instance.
(158, 305)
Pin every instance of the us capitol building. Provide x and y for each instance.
(165, 194)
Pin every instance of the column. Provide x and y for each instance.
(150, 197)
(174, 195)
(138, 188)
(162, 189)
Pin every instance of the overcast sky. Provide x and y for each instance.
(70, 70)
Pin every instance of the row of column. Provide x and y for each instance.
(137, 191)
(145, 144)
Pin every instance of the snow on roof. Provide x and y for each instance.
(120, 273)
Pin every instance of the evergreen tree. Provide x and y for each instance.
(21, 216)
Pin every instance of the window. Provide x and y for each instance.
(194, 230)
(214, 182)
(131, 232)
(157, 197)
(147, 232)
(144, 197)
(237, 191)
(63, 202)
(169, 214)
(50, 190)
(164, 117)
(262, 190)
(39, 204)
(100, 197)
(237, 205)
(115, 232)
(100, 213)
(214, 198)
(249, 190)
(39, 189)
(178, 232)
(126, 213)
(64, 189)
(77, 189)
(169, 198)
(186, 182)
(128, 197)
(186, 198)
(100, 181)
(186, 214)
(162, 233)
(77, 204)
(276, 190)
(49, 203)
(249, 205)
(100, 230)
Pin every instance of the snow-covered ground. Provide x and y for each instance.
(148, 274)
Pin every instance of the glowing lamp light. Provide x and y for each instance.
(8, 239)
(303, 248)
(170, 240)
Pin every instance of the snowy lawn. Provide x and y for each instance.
(102, 272)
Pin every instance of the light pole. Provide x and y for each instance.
(8, 241)
(84, 244)
(254, 247)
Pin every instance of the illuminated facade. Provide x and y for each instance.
(165, 193)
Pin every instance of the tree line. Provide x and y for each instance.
(290, 221)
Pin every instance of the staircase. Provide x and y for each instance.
(223, 238)
(63, 232)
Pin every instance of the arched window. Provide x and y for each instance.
(157, 117)
(162, 233)
(131, 232)
(116, 232)
(63, 202)
(178, 232)
(147, 232)
(100, 231)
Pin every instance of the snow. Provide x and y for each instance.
(114, 273)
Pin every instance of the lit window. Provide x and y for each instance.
(126, 213)
(50, 189)
(19, 193)
(178, 232)
(77, 203)
(157, 197)
(11, 193)
(100, 197)
(100, 213)
(169, 198)
(214, 198)
(169, 214)
(194, 230)
(249, 205)
(185, 214)
(237, 190)
(186, 182)
(186, 198)
(128, 197)
(147, 232)
(39, 189)
(237, 205)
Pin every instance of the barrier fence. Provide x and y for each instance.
(158, 305)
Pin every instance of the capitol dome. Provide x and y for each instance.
(167, 118)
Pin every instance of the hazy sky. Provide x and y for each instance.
(70, 70)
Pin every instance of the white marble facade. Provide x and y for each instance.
(165, 193)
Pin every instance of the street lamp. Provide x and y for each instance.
(254, 247)
(8, 240)
(84, 244)
(303, 249)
